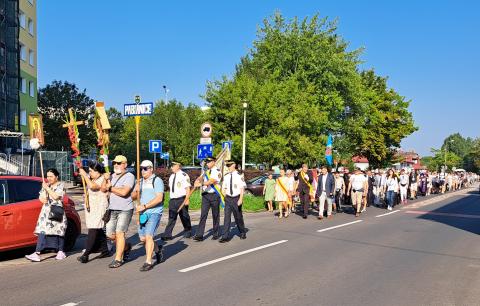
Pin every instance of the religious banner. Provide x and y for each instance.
(102, 128)
(36, 128)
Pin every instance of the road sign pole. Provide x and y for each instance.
(154, 161)
(137, 127)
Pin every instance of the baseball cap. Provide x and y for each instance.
(120, 159)
(146, 163)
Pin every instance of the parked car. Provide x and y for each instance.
(255, 185)
(19, 210)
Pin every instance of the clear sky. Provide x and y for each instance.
(115, 49)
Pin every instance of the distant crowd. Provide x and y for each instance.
(330, 191)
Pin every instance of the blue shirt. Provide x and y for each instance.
(149, 193)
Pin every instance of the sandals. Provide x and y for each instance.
(115, 264)
(146, 267)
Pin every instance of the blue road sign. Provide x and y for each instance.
(204, 151)
(140, 109)
(155, 146)
(165, 155)
(228, 143)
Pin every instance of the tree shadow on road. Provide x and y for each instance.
(463, 214)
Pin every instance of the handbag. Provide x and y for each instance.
(108, 212)
(143, 219)
(56, 213)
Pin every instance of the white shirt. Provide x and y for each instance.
(339, 182)
(291, 184)
(357, 181)
(392, 184)
(404, 179)
(182, 182)
(214, 174)
(235, 181)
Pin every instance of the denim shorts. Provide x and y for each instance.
(119, 221)
(149, 228)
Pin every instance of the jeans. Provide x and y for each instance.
(390, 198)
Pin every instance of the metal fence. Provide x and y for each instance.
(59, 160)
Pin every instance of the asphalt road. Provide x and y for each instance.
(424, 254)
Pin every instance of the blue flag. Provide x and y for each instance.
(328, 151)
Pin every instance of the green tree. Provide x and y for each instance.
(54, 100)
(301, 83)
(178, 127)
(117, 124)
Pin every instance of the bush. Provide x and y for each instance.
(250, 203)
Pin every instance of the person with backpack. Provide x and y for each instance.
(150, 191)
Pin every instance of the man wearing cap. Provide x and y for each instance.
(233, 187)
(210, 199)
(121, 208)
(151, 191)
(179, 186)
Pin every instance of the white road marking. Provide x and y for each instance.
(392, 212)
(337, 226)
(72, 304)
(231, 256)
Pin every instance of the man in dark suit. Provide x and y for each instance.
(304, 189)
(325, 192)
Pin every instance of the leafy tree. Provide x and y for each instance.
(117, 124)
(178, 127)
(301, 83)
(441, 158)
(387, 121)
(54, 100)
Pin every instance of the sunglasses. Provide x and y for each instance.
(145, 168)
(116, 163)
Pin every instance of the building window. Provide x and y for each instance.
(30, 1)
(23, 85)
(23, 53)
(31, 87)
(31, 57)
(23, 117)
(30, 26)
(22, 19)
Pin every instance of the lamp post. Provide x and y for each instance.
(446, 146)
(245, 105)
(166, 101)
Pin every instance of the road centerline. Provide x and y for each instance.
(389, 213)
(338, 226)
(231, 256)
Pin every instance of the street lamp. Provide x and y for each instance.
(245, 105)
(446, 146)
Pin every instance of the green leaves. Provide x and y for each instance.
(54, 100)
(301, 83)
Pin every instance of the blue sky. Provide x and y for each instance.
(115, 49)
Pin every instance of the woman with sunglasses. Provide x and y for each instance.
(98, 199)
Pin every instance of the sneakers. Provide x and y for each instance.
(60, 255)
(389, 207)
(34, 257)
(364, 210)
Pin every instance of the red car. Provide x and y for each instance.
(19, 210)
